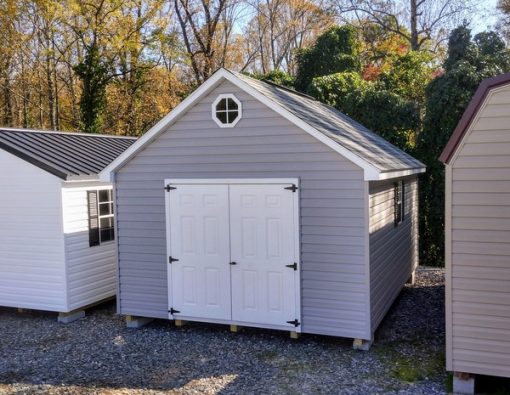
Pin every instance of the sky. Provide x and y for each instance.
(486, 18)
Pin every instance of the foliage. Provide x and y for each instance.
(336, 50)
(468, 63)
(277, 77)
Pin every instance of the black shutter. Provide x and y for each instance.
(93, 218)
(403, 200)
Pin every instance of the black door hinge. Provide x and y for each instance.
(295, 322)
(293, 266)
(168, 188)
(292, 188)
(171, 259)
(173, 311)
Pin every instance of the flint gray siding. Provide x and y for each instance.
(478, 247)
(335, 298)
(393, 249)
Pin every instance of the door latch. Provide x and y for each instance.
(233, 263)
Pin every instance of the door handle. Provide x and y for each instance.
(233, 263)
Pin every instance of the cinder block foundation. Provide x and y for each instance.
(67, 318)
(463, 383)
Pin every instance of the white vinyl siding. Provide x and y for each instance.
(91, 271)
(335, 298)
(478, 244)
(31, 239)
(393, 249)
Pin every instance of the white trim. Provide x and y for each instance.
(297, 241)
(214, 111)
(448, 267)
(370, 171)
(401, 173)
(246, 181)
(369, 334)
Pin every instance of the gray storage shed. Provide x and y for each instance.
(477, 244)
(250, 204)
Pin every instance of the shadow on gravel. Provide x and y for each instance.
(98, 354)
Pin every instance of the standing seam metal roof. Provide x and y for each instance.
(64, 154)
(339, 127)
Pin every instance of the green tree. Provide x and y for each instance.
(469, 61)
(277, 77)
(335, 50)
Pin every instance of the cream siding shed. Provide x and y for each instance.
(46, 262)
(281, 135)
(477, 160)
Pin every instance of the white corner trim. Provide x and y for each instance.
(370, 171)
(239, 110)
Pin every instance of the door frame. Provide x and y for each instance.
(239, 181)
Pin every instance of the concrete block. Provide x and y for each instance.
(180, 323)
(294, 335)
(67, 318)
(234, 328)
(463, 383)
(362, 344)
(412, 279)
(137, 322)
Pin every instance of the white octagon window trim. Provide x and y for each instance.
(226, 111)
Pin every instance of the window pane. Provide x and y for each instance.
(107, 235)
(232, 115)
(222, 105)
(106, 223)
(232, 105)
(104, 195)
(105, 208)
(222, 117)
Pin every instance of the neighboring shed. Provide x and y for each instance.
(477, 221)
(57, 249)
(250, 204)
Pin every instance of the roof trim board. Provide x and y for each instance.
(470, 114)
(370, 171)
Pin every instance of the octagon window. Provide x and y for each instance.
(226, 110)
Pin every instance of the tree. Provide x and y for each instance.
(336, 50)
(423, 23)
(469, 61)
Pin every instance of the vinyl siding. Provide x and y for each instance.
(478, 319)
(31, 240)
(393, 250)
(91, 271)
(262, 145)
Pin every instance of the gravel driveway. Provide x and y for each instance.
(99, 355)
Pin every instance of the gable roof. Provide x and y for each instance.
(470, 113)
(378, 158)
(64, 154)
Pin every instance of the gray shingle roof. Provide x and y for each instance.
(64, 154)
(339, 127)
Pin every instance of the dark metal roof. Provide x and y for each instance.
(469, 114)
(344, 130)
(67, 155)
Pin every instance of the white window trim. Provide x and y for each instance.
(99, 216)
(239, 109)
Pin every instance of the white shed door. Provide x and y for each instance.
(199, 239)
(262, 232)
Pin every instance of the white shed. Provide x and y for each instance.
(57, 249)
(250, 204)
(477, 244)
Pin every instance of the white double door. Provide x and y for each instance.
(235, 246)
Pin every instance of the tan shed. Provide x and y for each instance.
(477, 221)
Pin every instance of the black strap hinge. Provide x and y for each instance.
(171, 259)
(168, 188)
(292, 188)
(295, 322)
(173, 311)
(293, 266)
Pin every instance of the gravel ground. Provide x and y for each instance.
(99, 355)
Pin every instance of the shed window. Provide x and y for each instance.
(226, 110)
(399, 202)
(101, 217)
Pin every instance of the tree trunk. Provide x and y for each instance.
(415, 46)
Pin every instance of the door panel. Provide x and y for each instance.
(262, 243)
(199, 239)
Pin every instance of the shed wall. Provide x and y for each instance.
(90, 271)
(335, 298)
(393, 249)
(478, 244)
(31, 240)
